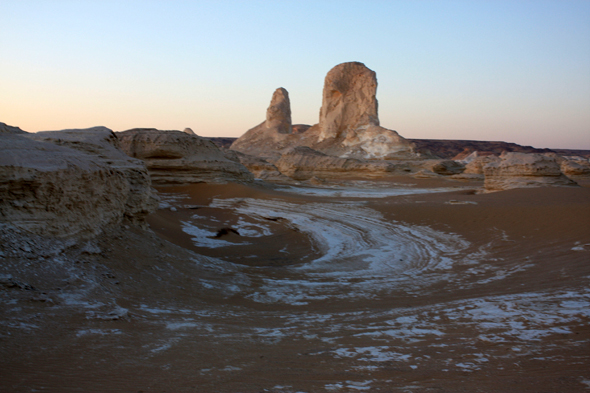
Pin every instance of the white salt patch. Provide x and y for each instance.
(76, 299)
(180, 325)
(358, 385)
(250, 229)
(230, 368)
(337, 192)
(161, 348)
(202, 237)
(354, 241)
(467, 366)
(100, 332)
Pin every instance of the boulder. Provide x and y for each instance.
(189, 131)
(523, 170)
(71, 183)
(175, 157)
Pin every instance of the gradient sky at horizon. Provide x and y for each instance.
(515, 71)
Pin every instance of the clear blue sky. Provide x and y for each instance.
(517, 71)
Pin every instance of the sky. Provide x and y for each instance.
(515, 71)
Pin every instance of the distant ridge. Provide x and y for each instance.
(449, 148)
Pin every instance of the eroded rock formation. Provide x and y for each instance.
(178, 157)
(71, 182)
(273, 135)
(348, 126)
(522, 170)
(348, 101)
(6, 129)
(303, 163)
(575, 167)
(259, 167)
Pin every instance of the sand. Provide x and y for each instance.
(348, 288)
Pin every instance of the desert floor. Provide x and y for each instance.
(402, 285)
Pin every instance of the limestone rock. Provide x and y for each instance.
(273, 135)
(6, 129)
(575, 167)
(302, 163)
(348, 101)
(445, 167)
(348, 127)
(73, 182)
(522, 170)
(259, 167)
(278, 114)
(176, 157)
(102, 142)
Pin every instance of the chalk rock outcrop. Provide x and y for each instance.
(176, 157)
(303, 163)
(71, 182)
(349, 122)
(575, 167)
(348, 101)
(6, 129)
(445, 167)
(273, 135)
(522, 170)
(259, 167)
(348, 127)
(278, 114)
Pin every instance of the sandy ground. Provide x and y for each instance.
(390, 286)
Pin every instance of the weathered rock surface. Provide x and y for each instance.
(278, 114)
(576, 167)
(177, 157)
(459, 150)
(348, 101)
(6, 129)
(303, 163)
(273, 135)
(259, 167)
(445, 167)
(71, 182)
(189, 131)
(522, 170)
(348, 127)
(474, 164)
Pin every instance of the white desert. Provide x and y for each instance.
(335, 257)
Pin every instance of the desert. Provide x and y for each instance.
(335, 257)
